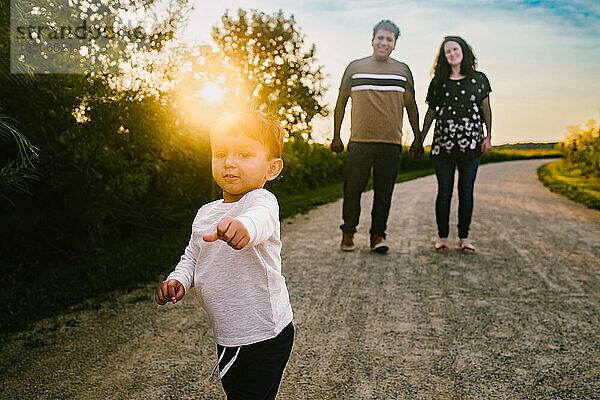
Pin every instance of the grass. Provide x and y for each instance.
(144, 256)
(508, 154)
(291, 205)
(301, 203)
(563, 178)
(528, 146)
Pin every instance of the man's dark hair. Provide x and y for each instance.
(387, 25)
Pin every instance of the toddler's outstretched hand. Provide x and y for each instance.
(232, 231)
(171, 290)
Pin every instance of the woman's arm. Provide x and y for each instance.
(429, 117)
(486, 145)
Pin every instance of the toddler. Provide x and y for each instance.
(233, 259)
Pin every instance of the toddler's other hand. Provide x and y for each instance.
(232, 231)
(171, 290)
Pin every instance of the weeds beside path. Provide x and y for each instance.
(568, 180)
(517, 319)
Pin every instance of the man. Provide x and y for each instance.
(381, 88)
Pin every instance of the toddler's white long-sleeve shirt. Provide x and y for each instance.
(243, 291)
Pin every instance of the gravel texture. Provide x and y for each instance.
(519, 319)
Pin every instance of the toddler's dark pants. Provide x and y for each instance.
(257, 371)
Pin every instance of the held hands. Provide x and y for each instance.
(416, 148)
(336, 145)
(171, 290)
(486, 146)
(232, 231)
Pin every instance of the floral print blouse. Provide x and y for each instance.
(458, 114)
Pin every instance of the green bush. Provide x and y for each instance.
(582, 148)
(306, 167)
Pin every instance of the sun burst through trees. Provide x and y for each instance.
(212, 92)
(268, 68)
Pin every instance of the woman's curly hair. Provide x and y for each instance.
(441, 68)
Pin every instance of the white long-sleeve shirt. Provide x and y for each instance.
(243, 291)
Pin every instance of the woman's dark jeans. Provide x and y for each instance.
(384, 158)
(467, 171)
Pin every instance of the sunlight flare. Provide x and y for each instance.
(212, 92)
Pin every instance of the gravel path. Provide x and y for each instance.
(518, 319)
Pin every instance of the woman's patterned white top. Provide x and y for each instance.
(458, 113)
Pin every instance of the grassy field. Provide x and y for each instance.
(148, 256)
(509, 154)
(565, 179)
(300, 203)
(527, 146)
(303, 202)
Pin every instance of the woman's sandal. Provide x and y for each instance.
(441, 246)
(467, 247)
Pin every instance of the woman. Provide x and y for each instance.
(458, 99)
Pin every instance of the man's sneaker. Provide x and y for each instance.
(347, 241)
(378, 244)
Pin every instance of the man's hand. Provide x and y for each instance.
(486, 146)
(337, 145)
(416, 149)
(171, 290)
(232, 231)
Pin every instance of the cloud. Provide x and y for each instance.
(578, 16)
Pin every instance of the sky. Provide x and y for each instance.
(542, 57)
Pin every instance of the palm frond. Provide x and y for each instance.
(16, 174)
(26, 151)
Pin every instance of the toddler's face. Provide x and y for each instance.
(240, 165)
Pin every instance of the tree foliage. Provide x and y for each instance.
(266, 53)
(19, 155)
(111, 157)
(88, 36)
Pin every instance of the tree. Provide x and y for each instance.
(265, 55)
(102, 147)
